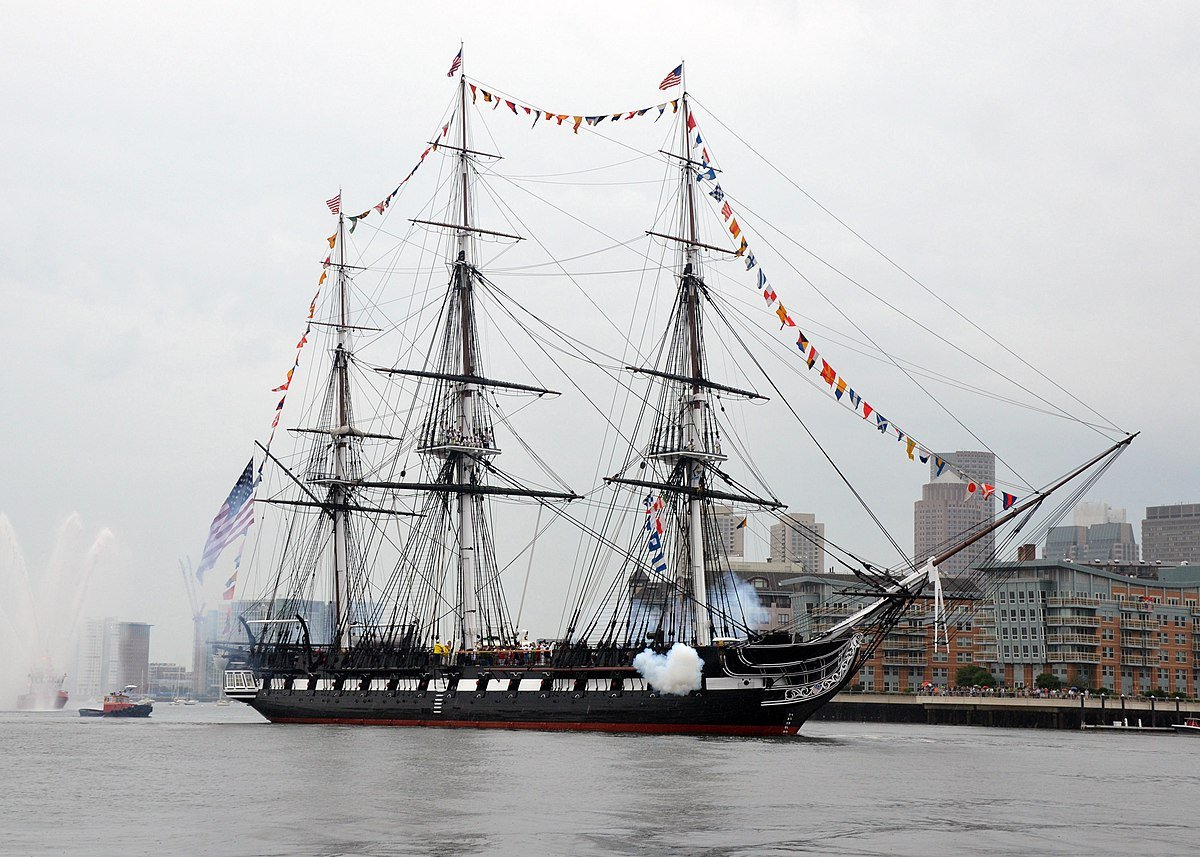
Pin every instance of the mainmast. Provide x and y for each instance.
(699, 399)
(458, 445)
(338, 490)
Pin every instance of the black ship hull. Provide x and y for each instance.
(767, 694)
(707, 713)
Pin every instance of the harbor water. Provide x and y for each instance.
(208, 779)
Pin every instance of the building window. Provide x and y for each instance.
(785, 618)
(758, 582)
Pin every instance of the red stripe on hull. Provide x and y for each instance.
(551, 726)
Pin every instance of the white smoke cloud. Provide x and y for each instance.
(745, 598)
(677, 672)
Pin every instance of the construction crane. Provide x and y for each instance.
(200, 654)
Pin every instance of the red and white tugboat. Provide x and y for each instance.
(120, 704)
(45, 692)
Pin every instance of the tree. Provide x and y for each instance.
(970, 675)
(1047, 681)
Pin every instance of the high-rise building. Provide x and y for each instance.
(1087, 514)
(91, 679)
(133, 656)
(975, 465)
(799, 537)
(733, 537)
(206, 677)
(112, 655)
(1111, 542)
(948, 512)
(1172, 533)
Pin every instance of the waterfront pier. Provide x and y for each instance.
(1008, 711)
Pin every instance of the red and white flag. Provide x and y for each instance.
(335, 204)
(456, 65)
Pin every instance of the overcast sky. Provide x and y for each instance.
(165, 169)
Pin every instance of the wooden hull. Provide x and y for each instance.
(727, 712)
(764, 691)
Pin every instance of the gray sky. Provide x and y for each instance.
(165, 170)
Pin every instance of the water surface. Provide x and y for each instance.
(216, 780)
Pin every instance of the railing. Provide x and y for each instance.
(1064, 639)
(1074, 601)
(1082, 621)
(905, 645)
(1138, 661)
(903, 662)
(1072, 657)
(1141, 624)
(831, 611)
(1138, 642)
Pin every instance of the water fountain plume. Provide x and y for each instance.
(39, 614)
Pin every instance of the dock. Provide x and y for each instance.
(1111, 713)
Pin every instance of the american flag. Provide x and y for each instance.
(234, 518)
(335, 204)
(673, 79)
(456, 65)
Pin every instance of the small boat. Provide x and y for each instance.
(1191, 726)
(120, 704)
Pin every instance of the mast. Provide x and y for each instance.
(338, 489)
(699, 399)
(466, 501)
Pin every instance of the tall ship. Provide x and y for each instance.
(387, 510)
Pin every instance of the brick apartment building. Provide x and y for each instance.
(1129, 630)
